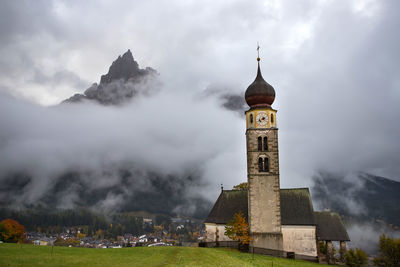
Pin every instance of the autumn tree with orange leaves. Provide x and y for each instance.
(11, 231)
(238, 230)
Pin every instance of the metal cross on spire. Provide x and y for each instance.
(258, 52)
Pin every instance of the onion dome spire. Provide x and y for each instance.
(260, 93)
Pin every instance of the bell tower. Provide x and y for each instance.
(263, 166)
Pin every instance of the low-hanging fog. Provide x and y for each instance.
(334, 66)
(167, 134)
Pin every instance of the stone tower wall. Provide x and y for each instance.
(264, 196)
(264, 189)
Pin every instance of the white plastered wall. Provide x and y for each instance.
(300, 239)
(212, 230)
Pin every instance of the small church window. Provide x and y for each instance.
(251, 118)
(259, 143)
(265, 143)
(266, 164)
(260, 164)
(272, 118)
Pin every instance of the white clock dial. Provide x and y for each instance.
(262, 118)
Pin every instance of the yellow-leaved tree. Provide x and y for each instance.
(11, 231)
(241, 186)
(238, 230)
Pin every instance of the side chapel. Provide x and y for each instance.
(281, 221)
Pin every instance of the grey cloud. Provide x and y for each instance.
(228, 98)
(333, 64)
(25, 18)
(64, 77)
(85, 154)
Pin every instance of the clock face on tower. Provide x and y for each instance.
(262, 118)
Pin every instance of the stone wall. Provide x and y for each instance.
(264, 191)
(272, 241)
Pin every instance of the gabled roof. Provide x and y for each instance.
(296, 209)
(296, 206)
(330, 227)
(228, 203)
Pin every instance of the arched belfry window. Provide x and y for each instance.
(266, 143)
(272, 118)
(251, 118)
(259, 143)
(260, 165)
(266, 164)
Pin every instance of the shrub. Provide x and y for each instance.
(66, 242)
(356, 258)
(389, 252)
(322, 247)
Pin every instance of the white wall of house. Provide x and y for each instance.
(300, 239)
(212, 230)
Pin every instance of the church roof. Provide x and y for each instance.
(296, 206)
(228, 203)
(330, 227)
(260, 93)
(296, 209)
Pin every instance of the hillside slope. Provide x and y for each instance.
(362, 197)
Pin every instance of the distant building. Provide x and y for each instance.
(281, 221)
(147, 221)
(44, 241)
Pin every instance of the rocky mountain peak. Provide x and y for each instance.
(124, 67)
(123, 81)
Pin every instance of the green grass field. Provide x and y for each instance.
(29, 255)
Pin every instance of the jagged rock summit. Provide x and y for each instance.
(123, 81)
(124, 68)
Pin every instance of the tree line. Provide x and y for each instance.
(90, 223)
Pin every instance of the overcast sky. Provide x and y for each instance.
(335, 66)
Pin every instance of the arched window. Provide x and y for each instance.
(265, 143)
(251, 118)
(260, 165)
(259, 143)
(266, 165)
(272, 118)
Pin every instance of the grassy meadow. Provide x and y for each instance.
(29, 255)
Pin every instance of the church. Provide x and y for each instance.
(282, 222)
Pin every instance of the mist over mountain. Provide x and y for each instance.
(134, 191)
(368, 203)
(88, 153)
(130, 143)
(361, 196)
(227, 98)
(165, 139)
(123, 81)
